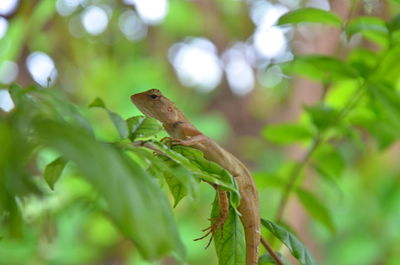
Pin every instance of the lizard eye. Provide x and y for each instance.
(153, 96)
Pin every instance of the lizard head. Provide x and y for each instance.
(153, 104)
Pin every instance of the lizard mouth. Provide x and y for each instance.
(134, 97)
(137, 100)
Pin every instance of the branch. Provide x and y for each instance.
(271, 252)
(295, 173)
(148, 145)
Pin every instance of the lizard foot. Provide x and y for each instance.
(217, 223)
(189, 141)
(179, 142)
(173, 141)
(166, 140)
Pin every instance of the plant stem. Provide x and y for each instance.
(298, 168)
(295, 173)
(271, 252)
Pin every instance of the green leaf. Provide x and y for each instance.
(7, 144)
(141, 126)
(363, 61)
(372, 28)
(387, 99)
(320, 68)
(388, 67)
(230, 243)
(298, 250)
(197, 167)
(316, 209)
(383, 129)
(16, 93)
(310, 15)
(176, 187)
(32, 102)
(15, 154)
(286, 133)
(329, 161)
(181, 181)
(135, 201)
(97, 103)
(119, 123)
(193, 160)
(394, 23)
(53, 171)
(15, 225)
(267, 259)
(211, 172)
(323, 116)
(384, 120)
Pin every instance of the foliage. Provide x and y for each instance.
(75, 182)
(335, 121)
(310, 15)
(299, 251)
(111, 171)
(229, 241)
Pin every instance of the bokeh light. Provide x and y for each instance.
(6, 103)
(67, 7)
(3, 27)
(270, 43)
(8, 72)
(238, 70)
(8, 6)
(196, 63)
(42, 68)
(265, 14)
(291, 4)
(132, 26)
(268, 40)
(94, 20)
(152, 12)
(321, 4)
(220, 61)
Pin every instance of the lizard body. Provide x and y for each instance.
(153, 104)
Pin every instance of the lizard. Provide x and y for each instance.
(153, 103)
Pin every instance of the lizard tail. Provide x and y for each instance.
(252, 248)
(251, 224)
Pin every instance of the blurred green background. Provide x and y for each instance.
(220, 62)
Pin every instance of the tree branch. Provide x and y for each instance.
(271, 252)
(295, 173)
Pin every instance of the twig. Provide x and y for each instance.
(148, 145)
(271, 252)
(295, 173)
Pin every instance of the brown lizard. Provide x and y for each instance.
(153, 104)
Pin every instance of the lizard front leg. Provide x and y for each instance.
(219, 221)
(184, 134)
(197, 139)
